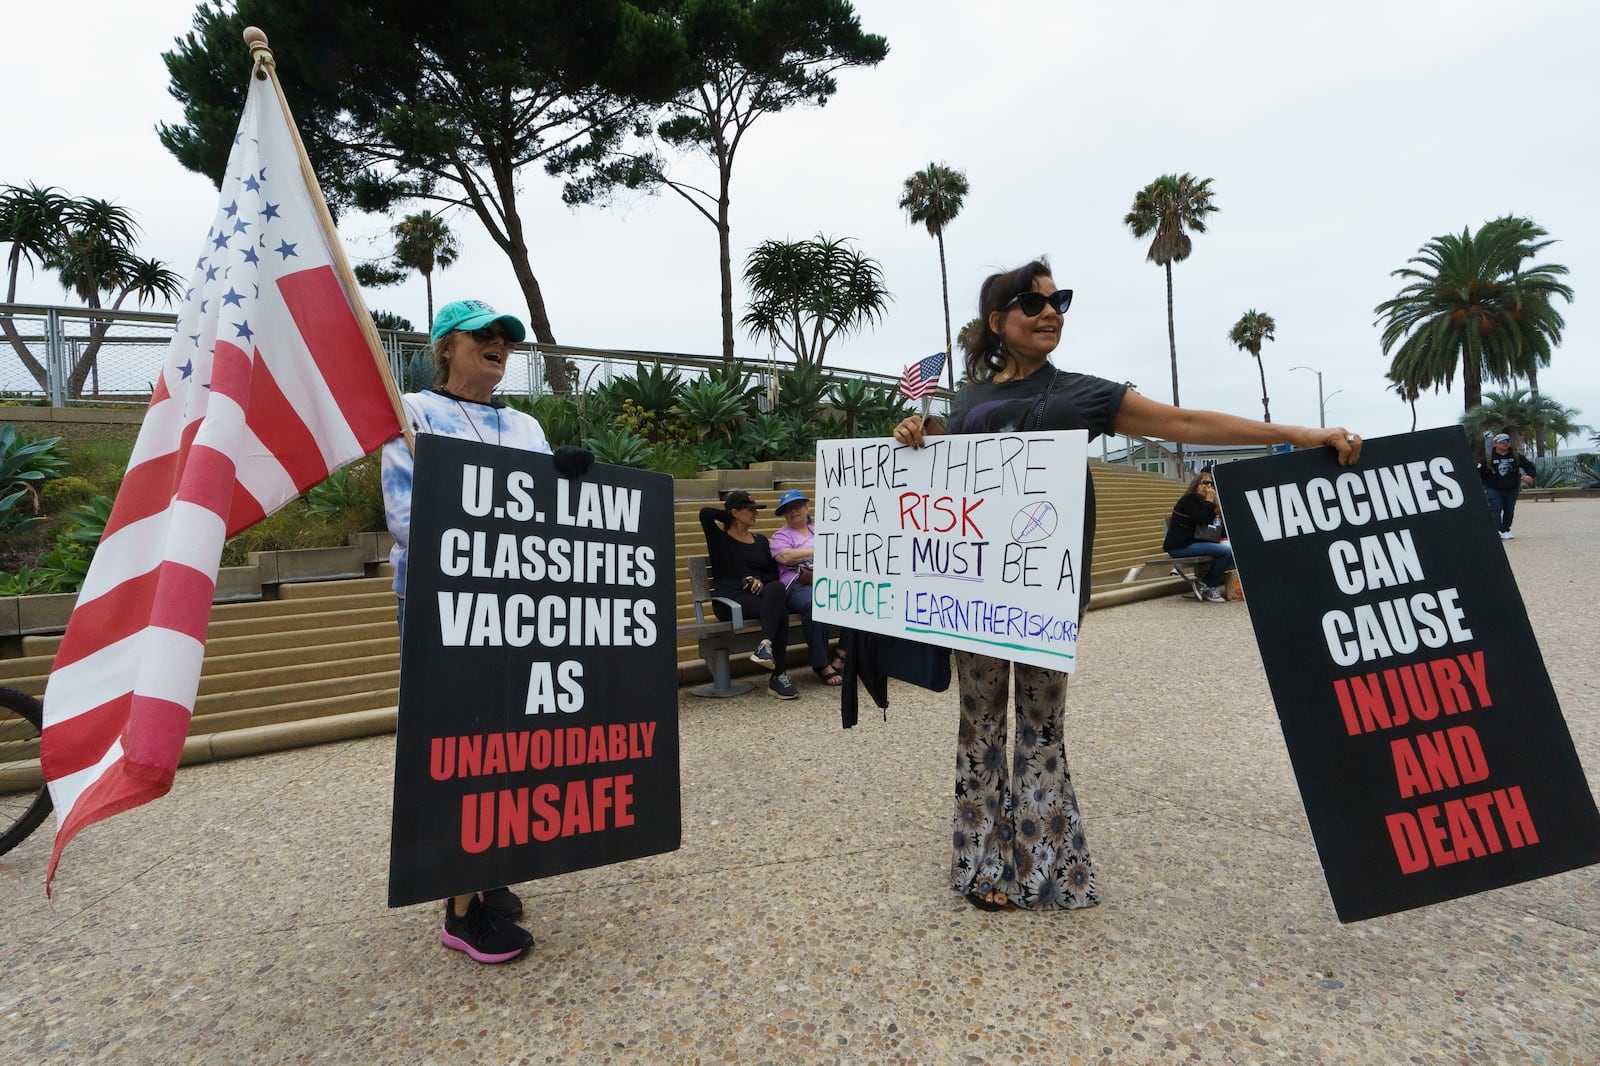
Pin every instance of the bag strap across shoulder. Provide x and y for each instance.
(1035, 418)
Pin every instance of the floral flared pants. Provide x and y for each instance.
(1017, 828)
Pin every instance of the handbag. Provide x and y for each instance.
(1210, 534)
(804, 573)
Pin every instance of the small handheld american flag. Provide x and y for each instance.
(920, 379)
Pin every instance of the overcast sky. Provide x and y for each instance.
(1339, 138)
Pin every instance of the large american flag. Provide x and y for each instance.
(921, 379)
(268, 386)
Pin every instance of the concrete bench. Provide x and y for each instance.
(715, 639)
(1550, 495)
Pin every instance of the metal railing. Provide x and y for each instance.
(72, 356)
(60, 356)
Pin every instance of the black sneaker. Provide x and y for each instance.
(1199, 589)
(502, 903)
(481, 935)
(762, 654)
(781, 687)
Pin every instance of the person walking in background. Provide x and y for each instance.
(794, 548)
(1194, 530)
(470, 344)
(1504, 472)
(1018, 837)
(743, 570)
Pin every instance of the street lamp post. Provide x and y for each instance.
(1322, 416)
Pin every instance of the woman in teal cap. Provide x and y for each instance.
(471, 343)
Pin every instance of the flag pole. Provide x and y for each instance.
(266, 70)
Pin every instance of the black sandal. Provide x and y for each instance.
(829, 675)
(989, 904)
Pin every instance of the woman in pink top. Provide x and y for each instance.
(792, 549)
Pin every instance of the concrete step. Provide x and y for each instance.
(275, 608)
(273, 695)
(295, 710)
(313, 590)
(299, 673)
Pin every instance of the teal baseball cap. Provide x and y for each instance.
(474, 314)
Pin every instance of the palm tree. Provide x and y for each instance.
(30, 222)
(1169, 208)
(1471, 305)
(89, 243)
(1524, 415)
(423, 242)
(805, 293)
(933, 197)
(1247, 334)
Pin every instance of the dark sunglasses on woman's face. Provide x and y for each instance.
(485, 334)
(1031, 303)
(1205, 484)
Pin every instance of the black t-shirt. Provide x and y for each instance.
(1074, 401)
(733, 560)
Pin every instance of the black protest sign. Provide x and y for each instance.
(538, 727)
(1430, 750)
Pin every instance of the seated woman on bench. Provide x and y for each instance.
(743, 570)
(1195, 530)
(794, 547)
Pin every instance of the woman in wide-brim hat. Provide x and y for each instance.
(794, 547)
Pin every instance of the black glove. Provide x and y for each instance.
(572, 461)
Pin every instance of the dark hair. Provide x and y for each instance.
(985, 354)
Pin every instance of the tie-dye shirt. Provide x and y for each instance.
(433, 412)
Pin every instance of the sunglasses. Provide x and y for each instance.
(1031, 303)
(1204, 483)
(485, 334)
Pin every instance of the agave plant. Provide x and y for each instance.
(713, 408)
(560, 415)
(736, 377)
(854, 397)
(417, 370)
(802, 390)
(619, 447)
(767, 437)
(650, 387)
(24, 465)
(713, 453)
(88, 523)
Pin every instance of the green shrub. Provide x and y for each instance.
(60, 494)
(294, 527)
(675, 460)
(102, 463)
(354, 491)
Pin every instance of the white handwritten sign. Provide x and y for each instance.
(973, 541)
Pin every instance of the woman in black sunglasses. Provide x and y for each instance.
(1019, 839)
(1194, 530)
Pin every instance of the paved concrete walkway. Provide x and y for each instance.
(807, 917)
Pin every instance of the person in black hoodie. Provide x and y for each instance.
(1502, 480)
(1196, 510)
